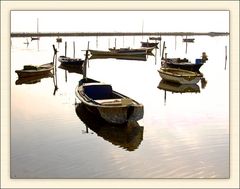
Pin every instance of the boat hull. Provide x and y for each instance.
(150, 44)
(117, 54)
(116, 110)
(179, 75)
(184, 65)
(66, 61)
(32, 79)
(42, 70)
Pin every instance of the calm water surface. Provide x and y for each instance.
(182, 135)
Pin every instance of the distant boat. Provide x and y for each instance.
(155, 38)
(59, 40)
(31, 70)
(127, 136)
(113, 107)
(147, 50)
(190, 40)
(150, 44)
(123, 57)
(32, 79)
(184, 63)
(116, 53)
(178, 88)
(67, 61)
(35, 38)
(179, 75)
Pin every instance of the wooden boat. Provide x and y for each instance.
(150, 44)
(67, 61)
(32, 79)
(178, 88)
(179, 75)
(147, 50)
(30, 70)
(35, 38)
(127, 136)
(137, 58)
(112, 106)
(59, 40)
(155, 38)
(184, 63)
(116, 54)
(189, 40)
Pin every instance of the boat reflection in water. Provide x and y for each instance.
(72, 68)
(127, 136)
(178, 88)
(32, 79)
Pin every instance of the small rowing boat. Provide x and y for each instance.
(113, 107)
(31, 70)
(179, 75)
(67, 61)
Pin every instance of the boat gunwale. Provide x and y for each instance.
(91, 102)
(186, 74)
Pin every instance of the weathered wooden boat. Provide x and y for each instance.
(184, 63)
(155, 38)
(116, 54)
(150, 44)
(178, 88)
(137, 58)
(180, 76)
(35, 38)
(31, 70)
(112, 106)
(67, 61)
(147, 50)
(32, 79)
(127, 136)
(189, 40)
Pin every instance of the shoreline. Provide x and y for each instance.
(86, 34)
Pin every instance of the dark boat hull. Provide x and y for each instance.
(41, 70)
(66, 61)
(190, 67)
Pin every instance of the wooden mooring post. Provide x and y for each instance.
(160, 45)
(73, 49)
(85, 63)
(225, 57)
(65, 48)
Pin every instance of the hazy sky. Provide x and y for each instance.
(120, 21)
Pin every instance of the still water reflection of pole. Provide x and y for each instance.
(186, 45)
(55, 70)
(38, 44)
(165, 97)
(175, 42)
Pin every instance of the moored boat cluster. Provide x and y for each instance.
(100, 99)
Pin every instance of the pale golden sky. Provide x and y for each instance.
(120, 21)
